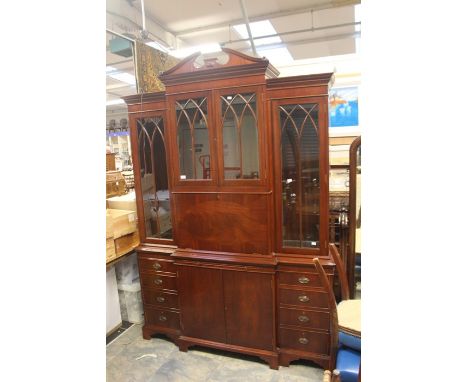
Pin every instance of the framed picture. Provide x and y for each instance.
(344, 111)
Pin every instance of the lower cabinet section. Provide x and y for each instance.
(229, 306)
(254, 307)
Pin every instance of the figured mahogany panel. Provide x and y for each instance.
(201, 302)
(223, 222)
(249, 299)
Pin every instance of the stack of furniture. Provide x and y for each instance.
(231, 181)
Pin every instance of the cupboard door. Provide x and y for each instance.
(249, 302)
(154, 181)
(201, 303)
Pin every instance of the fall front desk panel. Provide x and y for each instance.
(257, 309)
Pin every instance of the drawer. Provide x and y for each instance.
(299, 279)
(304, 318)
(309, 341)
(305, 298)
(156, 265)
(162, 317)
(158, 281)
(160, 298)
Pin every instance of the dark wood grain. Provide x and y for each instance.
(223, 222)
(249, 304)
(202, 303)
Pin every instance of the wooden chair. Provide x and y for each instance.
(345, 328)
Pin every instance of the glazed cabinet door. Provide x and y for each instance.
(150, 161)
(249, 301)
(301, 162)
(201, 303)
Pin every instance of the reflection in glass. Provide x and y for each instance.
(300, 175)
(154, 182)
(240, 137)
(193, 138)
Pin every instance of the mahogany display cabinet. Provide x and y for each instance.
(231, 178)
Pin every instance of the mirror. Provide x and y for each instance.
(354, 257)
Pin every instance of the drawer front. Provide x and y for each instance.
(310, 341)
(160, 298)
(156, 265)
(305, 298)
(299, 279)
(161, 317)
(158, 281)
(305, 318)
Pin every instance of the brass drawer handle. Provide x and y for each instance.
(303, 341)
(162, 318)
(157, 266)
(303, 318)
(158, 281)
(160, 299)
(303, 280)
(303, 298)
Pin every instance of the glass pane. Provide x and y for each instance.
(240, 136)
(193, 138)
(300, 175)
(154, 182)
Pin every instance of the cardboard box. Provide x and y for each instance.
(127, 243)
(115, 184)
(120, 222)
(110, 249)
(124, 202)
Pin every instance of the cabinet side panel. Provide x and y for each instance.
(201, 303)
(223, 222)
(249, 309)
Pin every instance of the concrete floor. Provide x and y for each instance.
(130, 358)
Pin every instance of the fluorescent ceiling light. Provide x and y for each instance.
(259, 29)
(117, 101)
(158, 46)
(205, 48)
(277, 55)
(110, 69)
(123, 77)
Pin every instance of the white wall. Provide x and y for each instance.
(113, 317)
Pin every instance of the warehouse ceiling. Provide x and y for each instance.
(297, 30)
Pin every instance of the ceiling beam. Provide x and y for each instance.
(272, 15)
(285, 44)
(294, 32)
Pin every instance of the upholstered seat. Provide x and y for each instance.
(349, 317)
